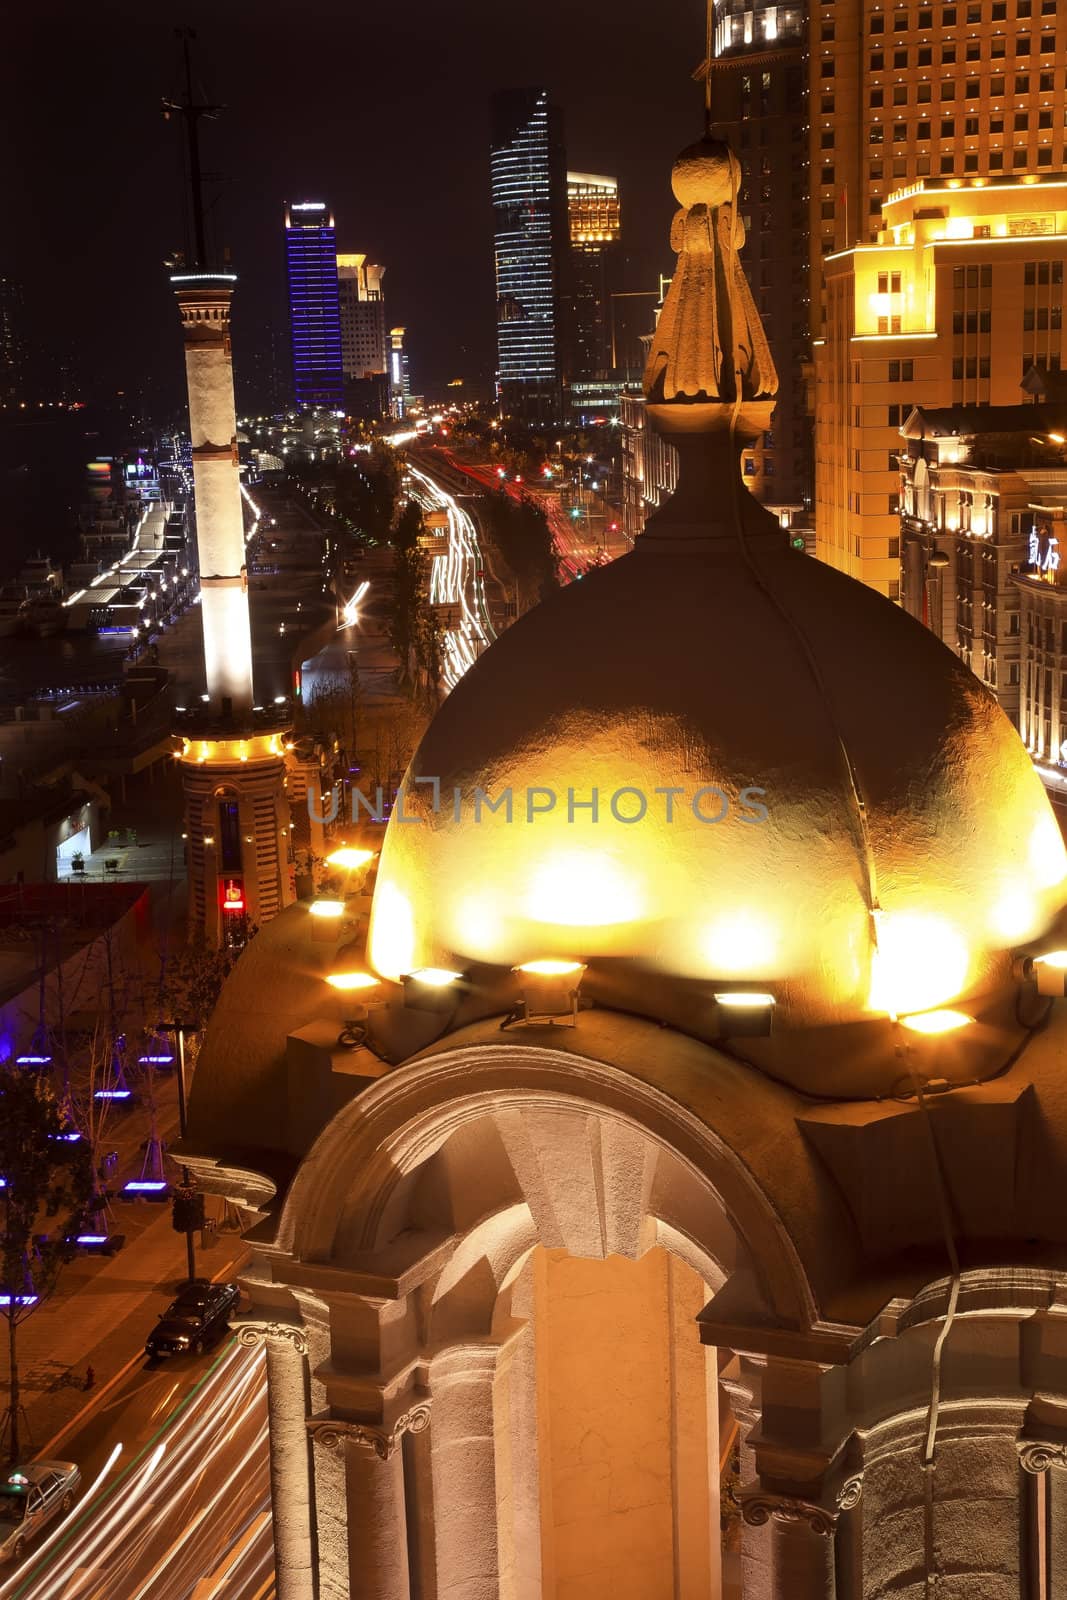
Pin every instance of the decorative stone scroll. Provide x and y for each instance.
(254, 1331)
(759, 1508)
(850, 1493)
(1038, 1455)
(335, 1432)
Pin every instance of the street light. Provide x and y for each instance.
(179, 1030)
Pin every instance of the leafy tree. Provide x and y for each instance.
(46, 1172)
(407, 611)
(191, 982)
(521, 534)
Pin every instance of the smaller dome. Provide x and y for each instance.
(706, 174)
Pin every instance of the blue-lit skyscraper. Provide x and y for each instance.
(531, 242)
(314, 304)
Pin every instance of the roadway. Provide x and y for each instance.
(175, 1498)
(577, 548)
(457, 580)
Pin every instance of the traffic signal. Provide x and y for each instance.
(188, 1212)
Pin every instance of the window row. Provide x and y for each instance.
(972, 51)
(971, 321)
(970, 367)
(973, 90)
(1042, 318)
(997, 11)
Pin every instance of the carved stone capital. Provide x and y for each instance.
(850, 1493)
(253, 1331)
(758, 1508)
(334, 1433)
(1037, 1456)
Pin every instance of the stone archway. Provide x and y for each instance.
(442, 1222)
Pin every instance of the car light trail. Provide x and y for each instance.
(196, 1498)
(75, 1511)
(350, 611)
(456, 581)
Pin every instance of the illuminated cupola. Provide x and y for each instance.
(718, 766)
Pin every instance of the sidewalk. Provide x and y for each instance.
(100, 1315)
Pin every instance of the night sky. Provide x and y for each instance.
(380, 110)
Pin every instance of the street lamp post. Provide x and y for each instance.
(179, 1030)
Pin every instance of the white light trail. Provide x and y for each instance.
(455, 581)
(257, 515)
(350, 611)
(157, 1546)
(75, 1511)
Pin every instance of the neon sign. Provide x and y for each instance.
(233, 898)
(1044, 552)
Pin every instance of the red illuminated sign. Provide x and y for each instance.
(233, 898)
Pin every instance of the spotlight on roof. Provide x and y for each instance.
(744, 1014)
(327, 908)
(432, 989)
(935, 1022)
(352, 980)
(549, 989)
(1050, 973)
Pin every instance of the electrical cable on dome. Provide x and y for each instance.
(873, 906)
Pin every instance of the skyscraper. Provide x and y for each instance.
(399, 374)
(531, 249)
(11, 350)
(314, 304)
(363, 334)
(364, 340)
(595, 235)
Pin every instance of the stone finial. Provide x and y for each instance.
(709, 340)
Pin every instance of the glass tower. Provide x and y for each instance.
(314, 304)
(531, 241)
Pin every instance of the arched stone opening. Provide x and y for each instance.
(473, 1268)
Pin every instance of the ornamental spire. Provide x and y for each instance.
(709, 344)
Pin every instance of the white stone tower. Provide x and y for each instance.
(232, 755)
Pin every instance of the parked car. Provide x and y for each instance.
(196, 1318)
(31, 1497)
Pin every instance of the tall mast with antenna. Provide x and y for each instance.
(233, 766)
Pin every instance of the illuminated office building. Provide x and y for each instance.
(364, 350)
(12, 375)
(595, 236)
(761, 99)
(314, 304)
(364, 340)
(959, 298)
(531, 252)
(399, 373)
(983, 498)
(835, 104)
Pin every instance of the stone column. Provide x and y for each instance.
(375, 1499)
(290, 1460)
(802, 1564)
(464, 1473)
(1047, 1463)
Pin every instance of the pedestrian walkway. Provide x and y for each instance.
(150, 853)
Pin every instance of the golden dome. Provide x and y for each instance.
(674, 669)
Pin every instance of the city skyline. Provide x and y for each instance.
(277, 138)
